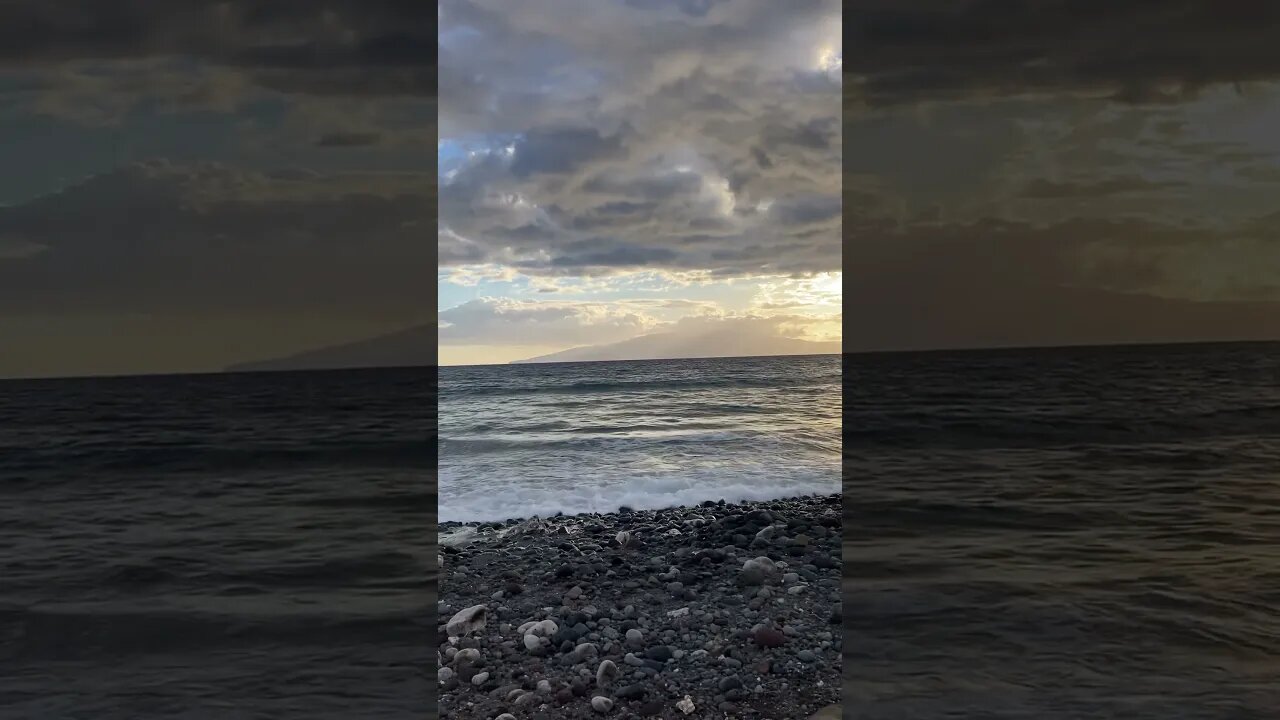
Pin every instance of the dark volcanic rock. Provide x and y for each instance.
(668, 611)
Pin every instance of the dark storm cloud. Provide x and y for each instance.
(663, 135)
(1044, 189)
(327, 46)
(926, 275)
(213, 238)
(561, 150)
(1135, 51)
(803, 211)
(349, 139)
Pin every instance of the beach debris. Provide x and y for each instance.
(686, 705)
(467, 621)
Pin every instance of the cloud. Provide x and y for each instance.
(507, 321)
(617, 137)
(95, 63)
(682, 326)
(13, 248)
(348, 139)
(211, 237)
(328, 47)
(1046, 189)
(720, 336)
(1134, 52)
(1133, 256)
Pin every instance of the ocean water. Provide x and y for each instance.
(1083, 533)
(218, 546)
(537, 439)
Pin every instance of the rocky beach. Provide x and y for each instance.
(715, 611)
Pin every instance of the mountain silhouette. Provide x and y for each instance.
(728, 342)
(415, 346)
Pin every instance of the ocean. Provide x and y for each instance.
(218, 546)
(539, 439)
(1053, 534)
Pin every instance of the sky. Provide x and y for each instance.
(616, 169)
(187, 184)
(1045, 172)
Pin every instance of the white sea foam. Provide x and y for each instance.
(512, 498)
(520, 441)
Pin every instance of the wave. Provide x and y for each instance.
(522, 500)
(969, 430)
(471, 445)
(450, 393)
(193, 457)
(89, 631)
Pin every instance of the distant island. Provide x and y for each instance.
(662, 346)
(412, 347)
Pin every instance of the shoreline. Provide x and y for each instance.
(505, 524)
(707, 611)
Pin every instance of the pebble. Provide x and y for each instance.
(689, 625)
(606, 673)
(769, 637)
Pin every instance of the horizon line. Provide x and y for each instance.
(437, 366)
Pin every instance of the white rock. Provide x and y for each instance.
(532, 642)
(546, 628)
(601, 704)
(686, 705)
(467, 621)
(479, 678)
